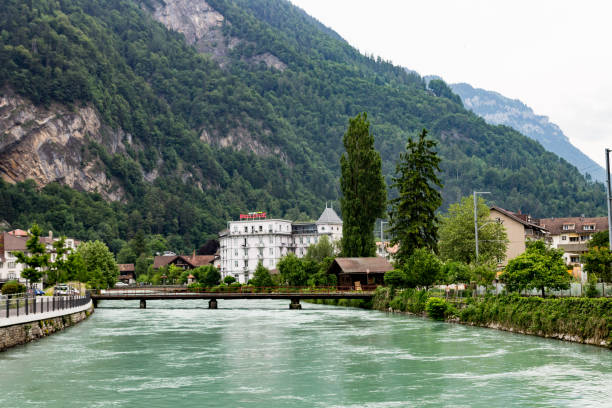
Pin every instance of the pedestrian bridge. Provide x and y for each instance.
(294, 294)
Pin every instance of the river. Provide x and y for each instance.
(258, 353)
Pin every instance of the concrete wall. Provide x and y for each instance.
(22, 333)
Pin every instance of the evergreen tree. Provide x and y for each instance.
(57, 269)
(413, 218)
(364, 192)
(38, 258)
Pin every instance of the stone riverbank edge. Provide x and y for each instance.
(579, 320)
(23, 333)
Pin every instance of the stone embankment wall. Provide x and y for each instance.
(14, 335)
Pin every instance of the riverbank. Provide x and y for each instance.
(22, 333)
(579, 320)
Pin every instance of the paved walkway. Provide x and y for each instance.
(32, 317)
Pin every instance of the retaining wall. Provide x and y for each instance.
(21, 333)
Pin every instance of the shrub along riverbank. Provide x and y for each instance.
(582, 320)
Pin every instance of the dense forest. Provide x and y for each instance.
(146, 80)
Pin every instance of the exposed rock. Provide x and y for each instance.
(241, 139)
(49, 144)
(202, 27)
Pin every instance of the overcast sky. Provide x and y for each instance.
(555, 56)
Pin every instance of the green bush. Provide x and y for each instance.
(12, 287)
(410, 300)
(229, 279)
(582, 317)
(591, 290)
(436, 308)
(195, 287)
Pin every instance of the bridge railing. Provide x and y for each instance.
(29, 305)
(182, 290)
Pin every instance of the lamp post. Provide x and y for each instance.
(476, 217)
(609, 197)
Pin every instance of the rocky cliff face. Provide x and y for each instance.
(50, 144)
(202, 27)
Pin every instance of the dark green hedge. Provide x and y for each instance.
(582, 317)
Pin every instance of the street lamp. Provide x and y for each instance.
(476, 217)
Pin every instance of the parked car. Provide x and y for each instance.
(61, 290)
(121, 285)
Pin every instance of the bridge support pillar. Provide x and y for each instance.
(95, 302)
(295, 304)
(143, 303)
(212, 304)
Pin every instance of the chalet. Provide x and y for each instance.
(355, 273)
(184, 262)
(127, 273)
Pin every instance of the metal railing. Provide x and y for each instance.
(280, 290)
(30, 305)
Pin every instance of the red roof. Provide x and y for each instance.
(126, 267)
(521, 218)
(193, 261)
(374, 264)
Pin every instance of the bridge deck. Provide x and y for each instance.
(159, 294)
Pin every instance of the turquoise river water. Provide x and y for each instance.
(258, 353)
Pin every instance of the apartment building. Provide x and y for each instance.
(255, 238)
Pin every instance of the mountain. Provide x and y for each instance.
(173, 116)
(499, 110)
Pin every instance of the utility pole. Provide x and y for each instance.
(476, 217)
(609, 197)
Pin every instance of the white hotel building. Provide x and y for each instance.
(245, 243)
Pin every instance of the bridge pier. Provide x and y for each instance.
(143, 303)
(95, 302)
(212, 304)
(295, 303)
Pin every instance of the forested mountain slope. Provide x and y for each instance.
(499, 110)
(201, 121)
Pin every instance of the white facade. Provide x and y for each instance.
(245, 243)
(15, 241)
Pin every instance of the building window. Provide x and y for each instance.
(235, 264)
(271, 251)
(563, 237)
(271, 240)
(322, 228)
(246, 229)
(567, 227)
(589, 227)
(246, 264)
(573, 239)
(1, 264)
(236, 253)
(11, 265)
(574, 259)
(260, 228)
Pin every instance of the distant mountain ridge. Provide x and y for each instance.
(500, 110)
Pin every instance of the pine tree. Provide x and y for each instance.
(364, 192)
(38, 258)
(413, 221)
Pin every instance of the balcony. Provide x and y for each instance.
(577, 247)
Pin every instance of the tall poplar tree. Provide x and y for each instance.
(364, 193)
(413, 221)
